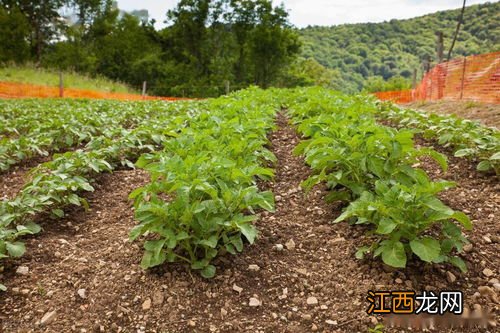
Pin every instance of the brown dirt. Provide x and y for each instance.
(12, 180)
(89, 250)
(488, 114)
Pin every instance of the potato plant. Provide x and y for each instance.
(203, 194)
(370, 166)
(467, 138)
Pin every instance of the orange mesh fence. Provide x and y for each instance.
(23, 90)
(474, 78)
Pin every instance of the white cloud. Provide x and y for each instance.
(326, 12)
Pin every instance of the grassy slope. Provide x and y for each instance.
(71, 80)
(399, 46)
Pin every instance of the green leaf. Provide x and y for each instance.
(15, 249)
(385, 226)
(208, 272)
(459, 263)
(484, 166)
(360, 253)
(495, 156)
(58, 212)
(249, 231)
(464, 152)
(463, 219)
(393, 254)
(2, 287)
(426, 248)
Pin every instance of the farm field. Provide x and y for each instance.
(261, 211)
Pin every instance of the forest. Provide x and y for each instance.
(209, 47)
(367, 54)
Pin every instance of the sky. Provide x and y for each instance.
(326, 12)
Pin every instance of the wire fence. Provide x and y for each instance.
(475, 78)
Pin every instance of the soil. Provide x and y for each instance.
(12, 181)
(88, 253)
(487, 114)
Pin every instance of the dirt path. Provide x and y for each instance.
(313, 284)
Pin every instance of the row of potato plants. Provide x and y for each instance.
(37, 127)
(203, 195)
(465, 137)
(370, 167)
(60, 182)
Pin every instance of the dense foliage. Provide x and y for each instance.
(397, 47)
(206, 47)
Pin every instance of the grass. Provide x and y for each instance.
(45, 77)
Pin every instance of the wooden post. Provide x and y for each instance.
(439, 46)
(144, 86)
(61, 85)
(227, 87)
(414, 79)
(463, 78)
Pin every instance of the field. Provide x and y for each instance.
(261, 211)
(45, 77)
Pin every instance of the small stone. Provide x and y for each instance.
(278, 198)
(82, 293)
(254, 268)
(450, 277)
(314, 328)
(312, 300)
(307, 317)
(223, 312)
(48, 317)
(290, 245)
(487, 239)
(323, 307)
(237, 289)
(146, 305)
(398, 281)
(274, 315)
(158, 298)
(468, 247)
(487, 291)
(23, 270)
(278, 247)
(496, 286)
(488, 272)
(331, 322)
(191, 323)
(254, 302)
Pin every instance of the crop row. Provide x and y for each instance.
(203, 193)
(467, 138)
(59, 182)
(370, 167)
(35, 128)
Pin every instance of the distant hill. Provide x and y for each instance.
(388, 49)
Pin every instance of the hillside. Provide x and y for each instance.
(388, 49)
(44, 77)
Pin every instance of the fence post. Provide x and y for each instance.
(227, 87)
(439, 46)
(61, 85)
(144, 86)
(463, 78)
